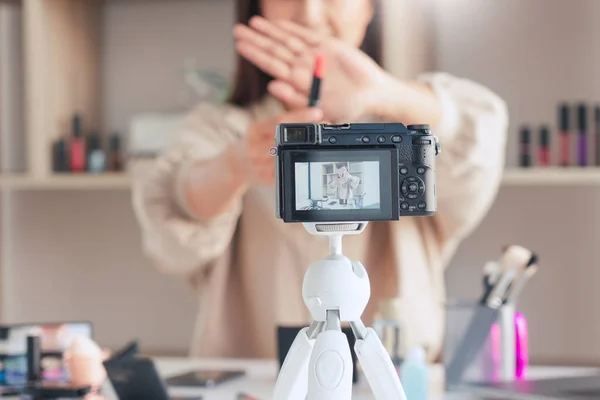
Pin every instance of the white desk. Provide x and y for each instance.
(261, 376)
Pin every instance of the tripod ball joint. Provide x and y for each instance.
(337, 284)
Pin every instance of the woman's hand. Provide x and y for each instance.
(260, 138)
(286, 51)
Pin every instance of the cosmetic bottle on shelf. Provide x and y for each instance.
(564, 137)
(77, 150)
(525, 144)
(544, 149)
(115, 155)
(60, 156)
(97, 157)
(597, 133)
(582, 134)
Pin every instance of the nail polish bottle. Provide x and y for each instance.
(77, 147)
(544, 149)
(582, 134)
(60, 156)
(97, 157)
(564, 134)
(597, 133)
(525, 151)
(115, 157)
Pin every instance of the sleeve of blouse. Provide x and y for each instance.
(472, 135)
(178, 242)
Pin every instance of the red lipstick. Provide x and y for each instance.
(318, 73)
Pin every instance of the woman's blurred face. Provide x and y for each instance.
(344, 19)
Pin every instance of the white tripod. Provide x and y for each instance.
(319, 363)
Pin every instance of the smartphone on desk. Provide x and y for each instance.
(203, 378)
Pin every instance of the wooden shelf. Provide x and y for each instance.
(119, 181)
(551, 176)
(106, 181)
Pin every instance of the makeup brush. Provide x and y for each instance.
(520, 281)
(514, 260)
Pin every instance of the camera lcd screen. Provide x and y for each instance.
(340, 185)
(350, 185)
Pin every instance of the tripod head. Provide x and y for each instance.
(336, 283)
(335, 231)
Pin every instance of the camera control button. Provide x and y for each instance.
(404, 206)
(412, 196)
(366, 139)
(411, 179)
(421, 205)
(396, 139)
(381, 139)
(420, 170)
(421, 188)
(404, 170)
(332, 140)
(413, 187)
(273, 151)
(420, 128)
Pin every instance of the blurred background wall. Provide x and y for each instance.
(76, 254)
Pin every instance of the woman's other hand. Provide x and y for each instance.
(260, 138)
(287, 52)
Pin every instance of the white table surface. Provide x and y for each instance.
(261, 375)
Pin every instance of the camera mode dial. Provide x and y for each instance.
(422, 129)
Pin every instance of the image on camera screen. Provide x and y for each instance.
(323, 186)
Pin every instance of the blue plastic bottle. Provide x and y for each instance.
(414, 376)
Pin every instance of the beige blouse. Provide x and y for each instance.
(247, 267)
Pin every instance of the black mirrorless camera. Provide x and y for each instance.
(354, 172)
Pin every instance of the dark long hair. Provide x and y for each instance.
(250, 83)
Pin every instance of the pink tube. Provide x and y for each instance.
(522, 346)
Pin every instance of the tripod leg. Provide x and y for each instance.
(292, 382)
(330, 366)
(377, 364)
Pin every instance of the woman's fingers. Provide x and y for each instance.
(303, 115)
(293, 43)
(308, 36)
(268, 44)
(287, 94)
(271, 65)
